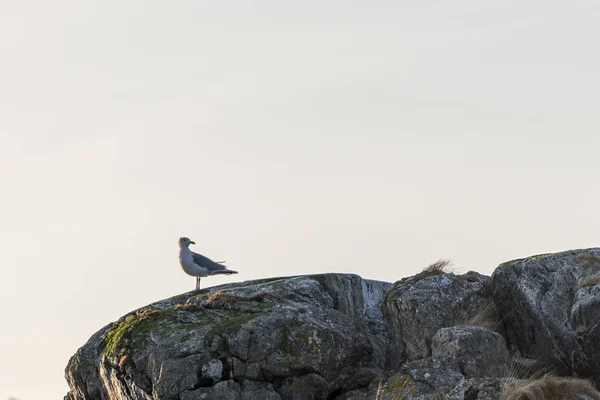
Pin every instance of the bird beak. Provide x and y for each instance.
(192, 242)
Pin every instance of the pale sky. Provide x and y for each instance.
(283, 137)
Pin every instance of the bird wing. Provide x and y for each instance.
(207, 263)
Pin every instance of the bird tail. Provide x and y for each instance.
(224, 271)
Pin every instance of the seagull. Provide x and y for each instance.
(197, 265)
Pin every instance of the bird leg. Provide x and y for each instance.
(197, 283)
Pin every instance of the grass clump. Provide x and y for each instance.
(224, 299)
(220, 298)
(398, 384)
(187, 307)
(437, 268)
(526, 369)
(549, 387)
(591, 280)
(589, 259)
(485, 317)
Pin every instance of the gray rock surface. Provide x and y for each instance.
(476, 389)
(435, 374)
(478, 351)
(417, 307)
(432, 336)
(293, 338)
(546, 315)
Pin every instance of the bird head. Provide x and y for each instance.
(185, 242)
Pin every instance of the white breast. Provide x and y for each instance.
(186, 260)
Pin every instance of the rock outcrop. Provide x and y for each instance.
(299, 337)
(417, 307)
(551, 309)
(435, 335)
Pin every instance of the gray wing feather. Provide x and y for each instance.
(207, 263)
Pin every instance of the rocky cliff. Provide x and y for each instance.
(435, 335)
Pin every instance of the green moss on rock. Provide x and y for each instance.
(118, 337)
(538, 257)
(228, 322)
(130, 332)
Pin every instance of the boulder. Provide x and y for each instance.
(417, 307)
(434, 374)
(293, 338)
(549, 305)
(478, 351)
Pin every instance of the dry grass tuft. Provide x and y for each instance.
(378, 395)
(549, 387)
(222, 296)
(124, 360)
(486, 317)
(395, 384)
(521, 371)
(227, 299)
(591, 280)
(222, 299)
(437, 268)
(589, 259)
(187, 307)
